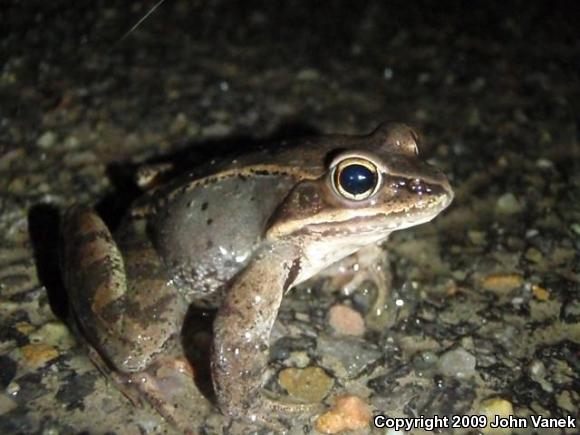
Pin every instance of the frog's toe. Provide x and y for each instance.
(279, 414)
(284, 406)
(168, 386)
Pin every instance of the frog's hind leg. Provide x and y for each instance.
(129, 312)
(124, 306)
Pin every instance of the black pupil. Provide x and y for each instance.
(357, 179)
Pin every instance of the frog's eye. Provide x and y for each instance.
(356, 178)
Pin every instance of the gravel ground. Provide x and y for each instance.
(488, 319)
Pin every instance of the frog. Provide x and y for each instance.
(236, 234)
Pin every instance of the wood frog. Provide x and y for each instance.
(236, 235)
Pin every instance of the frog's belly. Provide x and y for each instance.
(209, 233)
(204, 283)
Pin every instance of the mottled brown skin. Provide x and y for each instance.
(236, 235)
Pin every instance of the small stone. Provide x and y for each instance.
(388, 73)
(13, 388)
(425, 360)
(457, 363)
(24, 328)
(476, 237)
(537, 371)
(71, 142)
(561, 256)
(540, 293)
(311, 384)
(451, 288)
(544, 310)
(53, 334)
(346, 321)
(459, 275)
(502, 283)
(37, 355)
(216, 130)
(6, 404)
(46, 140)
(532, 232)
(544, 164)
(17, 185)
(348, 413)
(566, 401)
(308, 74)
(179, 123)
(534, 255)
(508, 204)
(346, 357)
(298, 359)
(503, 161)
(492, 408)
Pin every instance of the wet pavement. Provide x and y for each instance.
(486, 314)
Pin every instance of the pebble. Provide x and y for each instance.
(347, 357)
(534, 255)
(566, 401)
(457, 363)
(346, 321)
(348, 413)
(53, 334)
(476, 237)
(216, 130)
(37, 355)
(541, 311)
(537, 371)
(492, 407)
(179, 123)
(532, 233)
(298, 359)
(425, 360)
(46, 140)
(508, 204)
(71, 142)
(24, 328)
(544, 164)
(308, 74)
(540, 293)
(502, 283)
(6, 404)
(311, 384)
(13, 388)
(561, 256)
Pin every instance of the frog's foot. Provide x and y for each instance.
(277, 414)
(168, 386)
(366, 271)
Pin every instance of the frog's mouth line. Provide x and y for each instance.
(369, 222)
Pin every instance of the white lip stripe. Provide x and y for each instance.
(410, 214)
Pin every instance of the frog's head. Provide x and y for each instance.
(366, 191)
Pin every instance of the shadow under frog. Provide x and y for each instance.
(235, 234)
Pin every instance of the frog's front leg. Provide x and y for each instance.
(241, 336)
